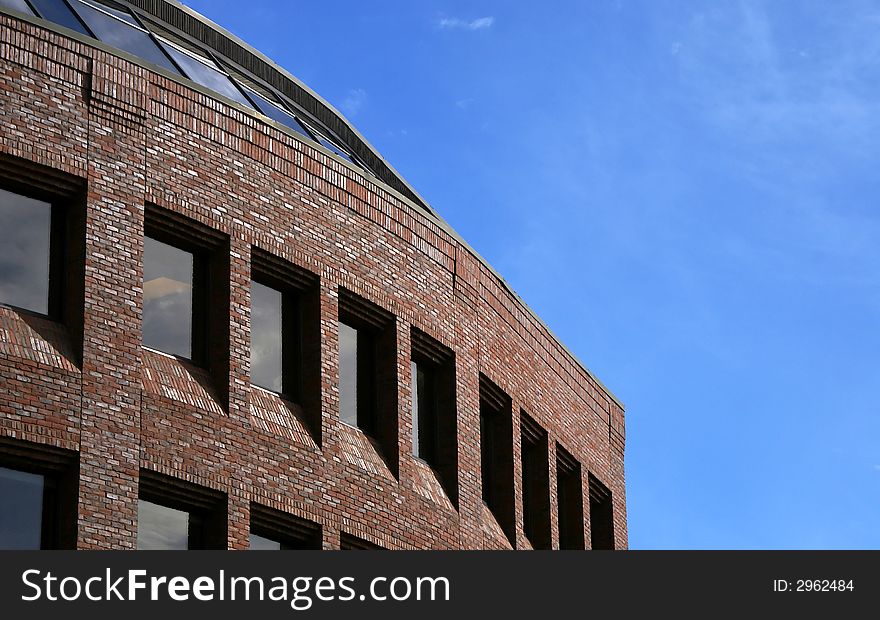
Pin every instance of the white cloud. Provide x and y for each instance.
(463, 104)
(354, 101)
(454, 23)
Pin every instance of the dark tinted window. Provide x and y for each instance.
(348, 374)
(266, 337)
(18, 5)
(59, 12)
(535, 483)
(570, 500)
(601, 516)
(25, 225)
(122, 34)
(160, 527)
(168, 298)
(208, 76)
(424, 435)
(21, 509)
(276, 113)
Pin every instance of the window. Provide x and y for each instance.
(601, 516)
(273, 110)
(17, 5)
(274, 530)
(160, 527)
(38, 487)
(569, 500)
(168, 298)
(173, 514)
(348, 542)
(348, 376)
(186, 293)
(286, 334)
(368, 372)
(59, 12)
(25, 231)
(204, 71)
(22, 512)
(496, 455)
(119, 29)
(434, 424)
(267, 337)
(42, 244)
(535, 482)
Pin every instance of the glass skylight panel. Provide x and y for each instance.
(59, 12)
(118, 13)
(17, 5)
(203, 71)
(121, 33)
(333, 148)
(275, 112)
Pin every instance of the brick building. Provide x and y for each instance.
(227, 322)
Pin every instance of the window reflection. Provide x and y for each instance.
(348, 379)
(21, 509)
(162, 528)
(260, 543)
(17, 5)
(122, 34)
(24, 252)
(276, 113)
(266, 337)
(57, 11)
(168, 298)
(207, 76)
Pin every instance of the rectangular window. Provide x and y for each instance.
(174, 514)
(168, 298)
(569, 500)
(274, 530)
(25, 250)
(368, 372)
(38, 496)
(286, 334)
(348, 378)
(186, 293)
(434, 423)
(42, 244)
(161, 527)
(535, 482)
(496, 455)
(267, 337)
(601, 516)
(22, 511)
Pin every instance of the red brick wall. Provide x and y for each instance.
(136, 137)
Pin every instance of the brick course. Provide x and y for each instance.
(135, 138)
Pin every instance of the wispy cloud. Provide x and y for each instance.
(354, 101)
(455, 23)
(463, 104)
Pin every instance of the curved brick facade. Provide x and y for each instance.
(117, 140)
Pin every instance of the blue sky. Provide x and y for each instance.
(686, 192)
